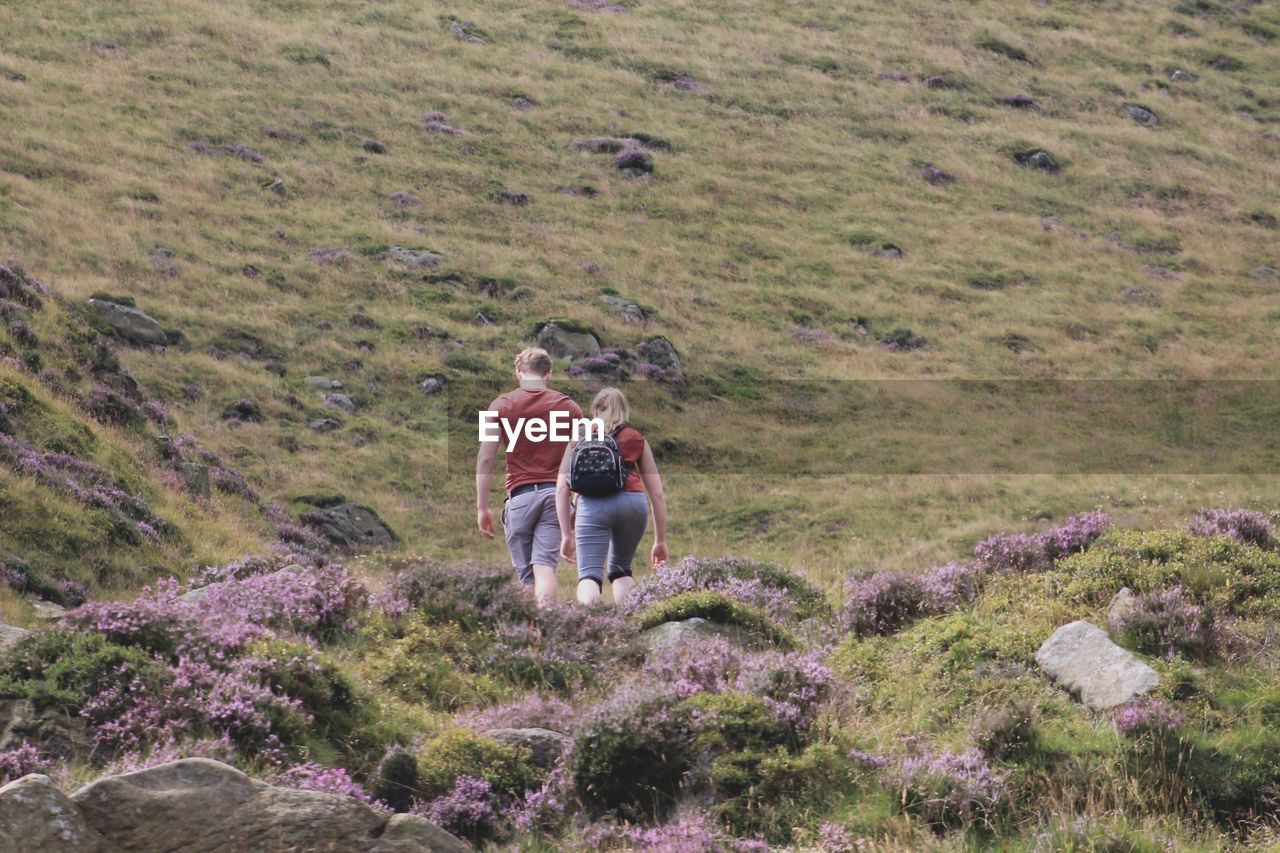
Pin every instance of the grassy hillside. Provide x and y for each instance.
(145, 141)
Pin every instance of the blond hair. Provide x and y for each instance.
(534, 360)
(611, 406)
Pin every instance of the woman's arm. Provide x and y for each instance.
(653, 485)
(564, 508)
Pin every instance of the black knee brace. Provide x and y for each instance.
(614, 574)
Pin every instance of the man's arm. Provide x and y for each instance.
(485, 459)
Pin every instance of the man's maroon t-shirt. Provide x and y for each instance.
(533, 461)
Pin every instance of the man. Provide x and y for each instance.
(529, 515)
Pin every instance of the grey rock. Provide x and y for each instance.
(35, 815)
(670, 634)
(1141, 115)
(195, 476)
(1038, 159)
(1180, 76)
(1082, 658)
(130, 324)
(324, 383)
(242, 410)
(513, 198)
(343, 402)
(935, 175)
(1265, 274)
(53, 731)
(275, 185)
(373, 146)
(890, 251)
(462, 31)
(432, 385)
(413, 258)
(520, 102)
(350, 527)
(11, 635)
(544, 745)
(1121, 606)
(194, 596)
(634, 163)
(323, 425)
(631, 312)
(602, 144)
(661, 352)
(200, 806)
(47, 611)
(567, 343)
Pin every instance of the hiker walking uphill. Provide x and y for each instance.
(611, 475)
(529, 518)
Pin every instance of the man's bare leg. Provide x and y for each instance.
(621, 589)
(544, 584)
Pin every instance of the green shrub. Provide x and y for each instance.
(771, 792)
(730, 722)
(60, 669)
(461, 752)
(1235, 771)
(397, 781)
(716, 607)
(432, 664)
(1234, 577)
(631, 753)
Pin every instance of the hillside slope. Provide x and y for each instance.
(825, 180)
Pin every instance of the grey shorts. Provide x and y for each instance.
(608, 530)
(532, 530)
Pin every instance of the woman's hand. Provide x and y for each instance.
(568, 549)
(659, 555)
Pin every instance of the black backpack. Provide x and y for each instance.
(596, 469)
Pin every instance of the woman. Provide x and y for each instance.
(605, 531)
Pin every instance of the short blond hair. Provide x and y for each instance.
(534, 360)
(611, 406)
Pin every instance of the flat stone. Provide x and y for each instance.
(324, 383)
(567, 343)
(349, 526)
(130, 324)
(413, 258)
(670, 634)
(1141, 115)
(11, 635)
(544, 745)
(1082, 658)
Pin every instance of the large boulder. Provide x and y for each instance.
(36, 816)
(565, 340)
(129, 323)
(349, 526)
(11, 635)
(1081, 657)
(544, 745)
(660, 351)
(670, 634)
(196, 805)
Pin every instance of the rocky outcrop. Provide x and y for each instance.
(349, 526)
(129, 323)
(201, 806)
(1081, 657)
(544, 745)
(35, 815)
(566, 341)
(52, 730)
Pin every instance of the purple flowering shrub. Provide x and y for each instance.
(881, 603)
(1245, 525)
(783, 595)
(467, 811)
(17, 574)
(1149, 717)
(1168, 624)
(948, 790)
(20, 760)
(1023, 552)
(693, 832)
(533, 710)
(159, 670)
(310, 776)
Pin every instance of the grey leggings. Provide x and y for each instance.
(608, 530)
